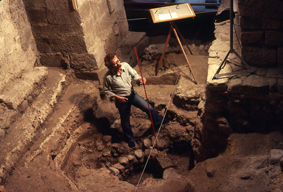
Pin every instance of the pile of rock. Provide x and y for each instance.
(123, 161)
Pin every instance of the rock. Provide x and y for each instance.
(275, 156)
(23, 106)
(138, 153)
(115, 145)
(106, 152)
(164, 162)
(171, 173)
(147, 143)
(157, 185)
(107, 138)
(119, 167)
(210, 171)
(130, 157)
(99, 142)
(120, 150)
(154, 153)
(161, 144)
(100, 147)
(123, 160)
(114, 171)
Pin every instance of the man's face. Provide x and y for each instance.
(115, 63)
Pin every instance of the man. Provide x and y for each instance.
(118, 84)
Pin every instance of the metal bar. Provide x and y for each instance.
(233, 73)
(220, 67)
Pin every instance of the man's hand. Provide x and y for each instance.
(142, 81)
(121, 99)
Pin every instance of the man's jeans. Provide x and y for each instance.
(125, 113)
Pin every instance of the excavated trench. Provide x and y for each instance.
(96, 140)
(99, 139)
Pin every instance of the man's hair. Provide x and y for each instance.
(108, 58)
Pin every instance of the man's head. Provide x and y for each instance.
(112, 62)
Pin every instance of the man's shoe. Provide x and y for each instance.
(132, 144)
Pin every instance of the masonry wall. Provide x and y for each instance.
(246, 102)
(18, 51)
(262, 32)
(76, 37)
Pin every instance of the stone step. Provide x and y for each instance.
(21, 133)
(17, 94)
(17, 90)
(53, 128)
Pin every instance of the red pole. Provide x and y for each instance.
(145, 95)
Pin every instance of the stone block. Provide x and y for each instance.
(275, 72)
(56, 60)
(261, 9)
(235, 86)
(273, 38)
(57, 5)
(37, 16)
(43, 45)
(30, 4)
(260, 56)
(237, 109)
(68, 44)
(255, 85)
(62, 17)
(42, 31)
(163, 162)
(252, 37)
(259, 23)
(83, 62)
(20, 88)
(275, 156)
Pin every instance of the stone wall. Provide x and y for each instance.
(17, 46)
(77, 38)
(246, 101)
(262, 32)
